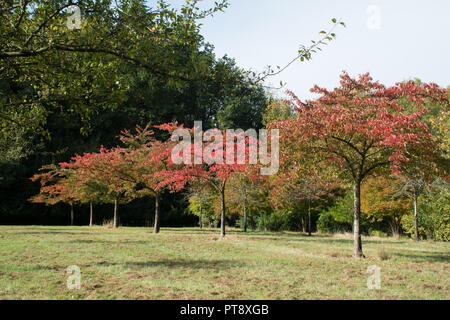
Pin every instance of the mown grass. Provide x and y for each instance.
(133, 263)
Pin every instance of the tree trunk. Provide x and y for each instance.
(357, 250)
(222, 216)
(71, 215)
(157, 228)
(90, 214)
(416, 227)
(116, 213)
(201, 216)
(309, 217)
(245, 217)
(252, 223)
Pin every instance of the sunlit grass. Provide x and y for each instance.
(133, 263)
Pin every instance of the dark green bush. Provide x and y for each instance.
(277, 220)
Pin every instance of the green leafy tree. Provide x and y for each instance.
(434, 219)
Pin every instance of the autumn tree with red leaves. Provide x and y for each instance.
(359, 128)
(219, 160)
(56, 186)
(104, 168)
(145, 157)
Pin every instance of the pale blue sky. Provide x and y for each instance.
(413, 40)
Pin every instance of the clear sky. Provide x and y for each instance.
(411, 39)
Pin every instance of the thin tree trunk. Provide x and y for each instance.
(222, 216)
(245, 217)
(304, 223)
(309, 217)
(90, 214)
(416, 227)
(252, 223)
(357, 250)
(116, 213)
(157, 228)
(201, 216)
(71, 215)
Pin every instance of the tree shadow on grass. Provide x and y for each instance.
(190, 230)
(53, 232)
(321, 239)
(108, 242)
(185, 263)
(425, 257)
(141, 265)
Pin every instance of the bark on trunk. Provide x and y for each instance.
(90, 214)
(71, 215)
(245, 217)
(201, 216)
(157, 228)
(252, 223)
(116, 213)
(357, 250)
(222, 216)
(309, 217)
(416, 227)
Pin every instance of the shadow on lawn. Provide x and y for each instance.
(426, 257)
(184, 264)
(349, 241)
(180, 263)
(55, 232)
(108, 242)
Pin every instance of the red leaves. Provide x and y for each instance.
(220, 158)
(360, 124)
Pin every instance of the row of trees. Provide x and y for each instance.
(144, 167)
(357, 131)
(117, 175)
(66, 91)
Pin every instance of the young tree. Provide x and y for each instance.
(215, 169)
(381, 203)
(434, 219)
(201, 195)
(246, 193)
(305, 183)
(416, 177)
(56, 186)
(145, 157)
(359, 128)
(217, 176)
(104, 168)
(88, 190)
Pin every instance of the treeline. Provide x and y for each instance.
(362, 157)
(390, 146)
(66, 92)
(68, 87)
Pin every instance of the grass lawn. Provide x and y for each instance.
(133, 263)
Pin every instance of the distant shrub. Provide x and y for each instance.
(327, 224)
(378, 233)
(339, 217)
(277, 220)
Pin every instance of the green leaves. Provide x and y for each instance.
(80, 71)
